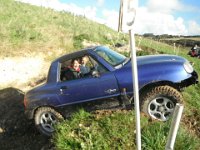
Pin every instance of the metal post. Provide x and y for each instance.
(174, 127)
(127, 14)
(135, 87)
(174, 48)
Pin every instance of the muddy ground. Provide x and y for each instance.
(16, 132)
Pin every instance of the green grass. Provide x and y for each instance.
(85, 131)
(26, 30)
(186, 38)
(116, 131)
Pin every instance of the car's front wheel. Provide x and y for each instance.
(159, 102)
(45, 118)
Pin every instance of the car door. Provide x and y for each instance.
(89, 88)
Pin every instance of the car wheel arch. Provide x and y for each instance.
(50, 106)
(158, 83)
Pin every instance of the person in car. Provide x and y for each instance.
(72, 71)
(84, 68)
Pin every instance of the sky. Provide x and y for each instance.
(174, 17)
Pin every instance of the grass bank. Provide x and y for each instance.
(116, 130)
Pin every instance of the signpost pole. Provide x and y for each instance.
(127, 15)
(135, 87)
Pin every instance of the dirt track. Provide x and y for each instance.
(16, 132)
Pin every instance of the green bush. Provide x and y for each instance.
(79, 39)
(142, 53)
(24, 34)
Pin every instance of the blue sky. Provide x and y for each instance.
(176, 17)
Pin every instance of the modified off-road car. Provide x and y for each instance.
(161, 78)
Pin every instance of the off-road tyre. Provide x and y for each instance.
(166, 96)
(45, 118)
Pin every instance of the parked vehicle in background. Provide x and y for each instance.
(108, 84)
(195, 51)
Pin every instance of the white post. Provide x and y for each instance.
(127, 15)
(135, 87)
(174, 127)
(174, 48)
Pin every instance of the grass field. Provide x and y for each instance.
(28, 31)
(186, 38)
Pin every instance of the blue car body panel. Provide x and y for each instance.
(88, 89)
(165, 68)
(151, 69)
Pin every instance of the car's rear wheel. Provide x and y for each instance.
(159, 102)
(45, 119)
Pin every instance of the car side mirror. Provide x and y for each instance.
(95, 74)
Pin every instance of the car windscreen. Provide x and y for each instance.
(112, 57)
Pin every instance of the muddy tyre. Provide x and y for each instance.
(45, 118)
(159, 102)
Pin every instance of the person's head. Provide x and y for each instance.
(84, 60)
(75, 64)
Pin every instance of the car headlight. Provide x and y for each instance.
(188, 67)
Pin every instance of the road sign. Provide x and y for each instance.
(127, 14)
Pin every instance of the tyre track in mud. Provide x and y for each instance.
(16, 132)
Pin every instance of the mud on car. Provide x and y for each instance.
(108, 84)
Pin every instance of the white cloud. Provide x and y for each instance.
(100, 2)
(150, 22)
(157, 17)
(158, 23)
(111, 18)
(194, 28)
(163, 6)
(170, 6)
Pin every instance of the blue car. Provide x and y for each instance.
(106, 82)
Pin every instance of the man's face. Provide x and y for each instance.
(84, 60)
